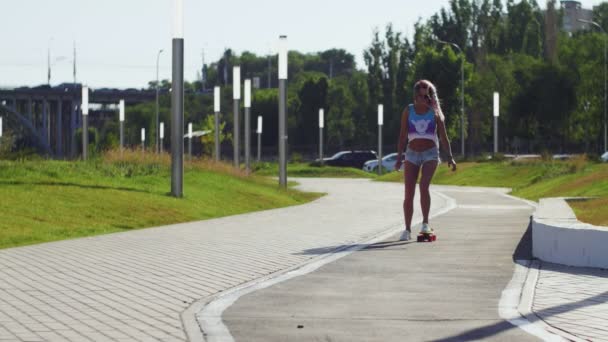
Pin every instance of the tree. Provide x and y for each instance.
(340, 102)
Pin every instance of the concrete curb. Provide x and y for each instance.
(558, 237)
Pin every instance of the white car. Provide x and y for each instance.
(604, 157)
(388, 163)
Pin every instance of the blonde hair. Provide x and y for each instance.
(435, 104)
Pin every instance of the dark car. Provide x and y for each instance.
(354, 159)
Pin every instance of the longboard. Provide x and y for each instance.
(427, 237)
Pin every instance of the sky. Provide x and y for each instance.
(117, 41)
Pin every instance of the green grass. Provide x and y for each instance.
(533, 180)
(305, 170)
(53, 200)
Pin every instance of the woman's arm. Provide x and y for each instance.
(402, 142)
(445, 142)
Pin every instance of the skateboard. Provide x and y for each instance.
(426, 237)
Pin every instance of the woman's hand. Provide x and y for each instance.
(452, 163)
(398, 164)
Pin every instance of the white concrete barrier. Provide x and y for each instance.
(558, 237)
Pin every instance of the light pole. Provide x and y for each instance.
(321, 124)
(190, 141)
(143, 140)
(162, 135)
(121, 119)
(85, 127)
(283, 111)
(496, 113)
(605, 57)
(177, 103)
(236, 96)
(380, 123)
(216, 109)
(157, 119)
(247, 125)
(461, 93)
(259, 132)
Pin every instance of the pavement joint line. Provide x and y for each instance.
(207, 312)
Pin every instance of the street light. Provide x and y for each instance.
(380, 124)
(321, 124)
(461, 92)
(190, 141)
(259, 132)
(177, 103)
(121, 119)
(85, 114)
(157, 119)
(216, 109)
(283, 111)
(143, 140)
(236, 96)
(162, 135)
(247, 124)
(496, 113)
(605, 56)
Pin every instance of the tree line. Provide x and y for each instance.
(551, 83)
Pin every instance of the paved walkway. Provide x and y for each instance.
(138, 286)
(574, 300)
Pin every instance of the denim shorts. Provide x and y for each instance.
(419, 158)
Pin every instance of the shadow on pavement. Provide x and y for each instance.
(497, 328)
(357, 246)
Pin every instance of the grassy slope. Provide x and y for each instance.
(52, 200)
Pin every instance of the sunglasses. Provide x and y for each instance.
(420, 86)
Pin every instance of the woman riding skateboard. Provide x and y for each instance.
(422, 131)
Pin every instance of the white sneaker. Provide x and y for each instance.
(405, 236)
(425, 229)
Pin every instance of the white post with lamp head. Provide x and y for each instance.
(236, 96)
(283, 54)
(247, 125)
(162, 135)
(496, 113)
(190, 141)
(121, 120)
(380, 124)
(85, 127)
(216, 109)
(259, 131)
(321, 124)
(143, 140)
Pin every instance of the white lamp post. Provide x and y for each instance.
(0, 127)
(283, 111)
(496, 113)
(321, 124)
(236, 96)
(216, 109)
(85, 114)
(259, 131)
(143, 140)
(380, 124)
(162, 135)
(190, 141)
(121, 120)
(247, 125)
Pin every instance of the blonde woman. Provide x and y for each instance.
(422, 132)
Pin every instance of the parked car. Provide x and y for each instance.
(604, 157)
(388, 163)
(354, 159)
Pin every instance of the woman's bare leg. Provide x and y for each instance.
(428, 170)
(411, 174)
